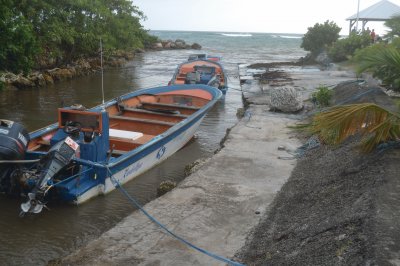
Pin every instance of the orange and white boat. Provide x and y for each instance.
(201, 69)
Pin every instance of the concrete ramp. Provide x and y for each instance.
(215, 208)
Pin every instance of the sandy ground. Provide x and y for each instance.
(247, 200)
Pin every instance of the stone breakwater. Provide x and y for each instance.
(177, 44)
(84, 67)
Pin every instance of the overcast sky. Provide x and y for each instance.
(275, 16)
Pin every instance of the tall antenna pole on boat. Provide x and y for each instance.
(101, 65)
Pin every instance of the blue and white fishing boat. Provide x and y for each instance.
(73, 160)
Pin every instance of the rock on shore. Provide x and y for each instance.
(83, 67)
(286, 99)
(177, 44)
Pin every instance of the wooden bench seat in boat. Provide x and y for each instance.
(183, 109)
(140, 120)
(146, 126)
(148, 111)
(171, 105)
(122, 145)
(124, 134)
(148, 114)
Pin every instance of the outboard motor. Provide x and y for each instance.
(13, 140)
(13, 145)
(58, 157)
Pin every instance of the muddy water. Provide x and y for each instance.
(37, 239)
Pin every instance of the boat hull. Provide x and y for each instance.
(89, 152)
(161, 151)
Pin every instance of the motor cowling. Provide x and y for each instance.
(14, 140)
(57, 159)
(13, 145)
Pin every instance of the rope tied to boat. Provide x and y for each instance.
(137, 205)
(71, 177)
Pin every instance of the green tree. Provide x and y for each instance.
(342, 49)
(70, 29)
(66, 30)
(394, 25)
(320, 36)
(18, 45)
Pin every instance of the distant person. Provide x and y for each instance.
(368, 31)
(373, 35)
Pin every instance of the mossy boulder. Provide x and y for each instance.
(165, 187)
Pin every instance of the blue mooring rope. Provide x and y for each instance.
(136, 203)
(70, 178)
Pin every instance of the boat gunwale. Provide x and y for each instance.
(174, 128)
(215, 93)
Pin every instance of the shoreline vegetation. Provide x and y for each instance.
(44, 42)
(85, 66)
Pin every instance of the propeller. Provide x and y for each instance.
(32, 205)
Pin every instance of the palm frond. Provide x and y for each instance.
(373, 122)
(384, 64)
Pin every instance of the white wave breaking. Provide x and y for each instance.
(237, 34)
(286, 36)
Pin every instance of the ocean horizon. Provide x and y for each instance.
(232, 32)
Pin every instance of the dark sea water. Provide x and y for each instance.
(36, 240)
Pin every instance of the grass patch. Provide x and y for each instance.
(322, 96)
